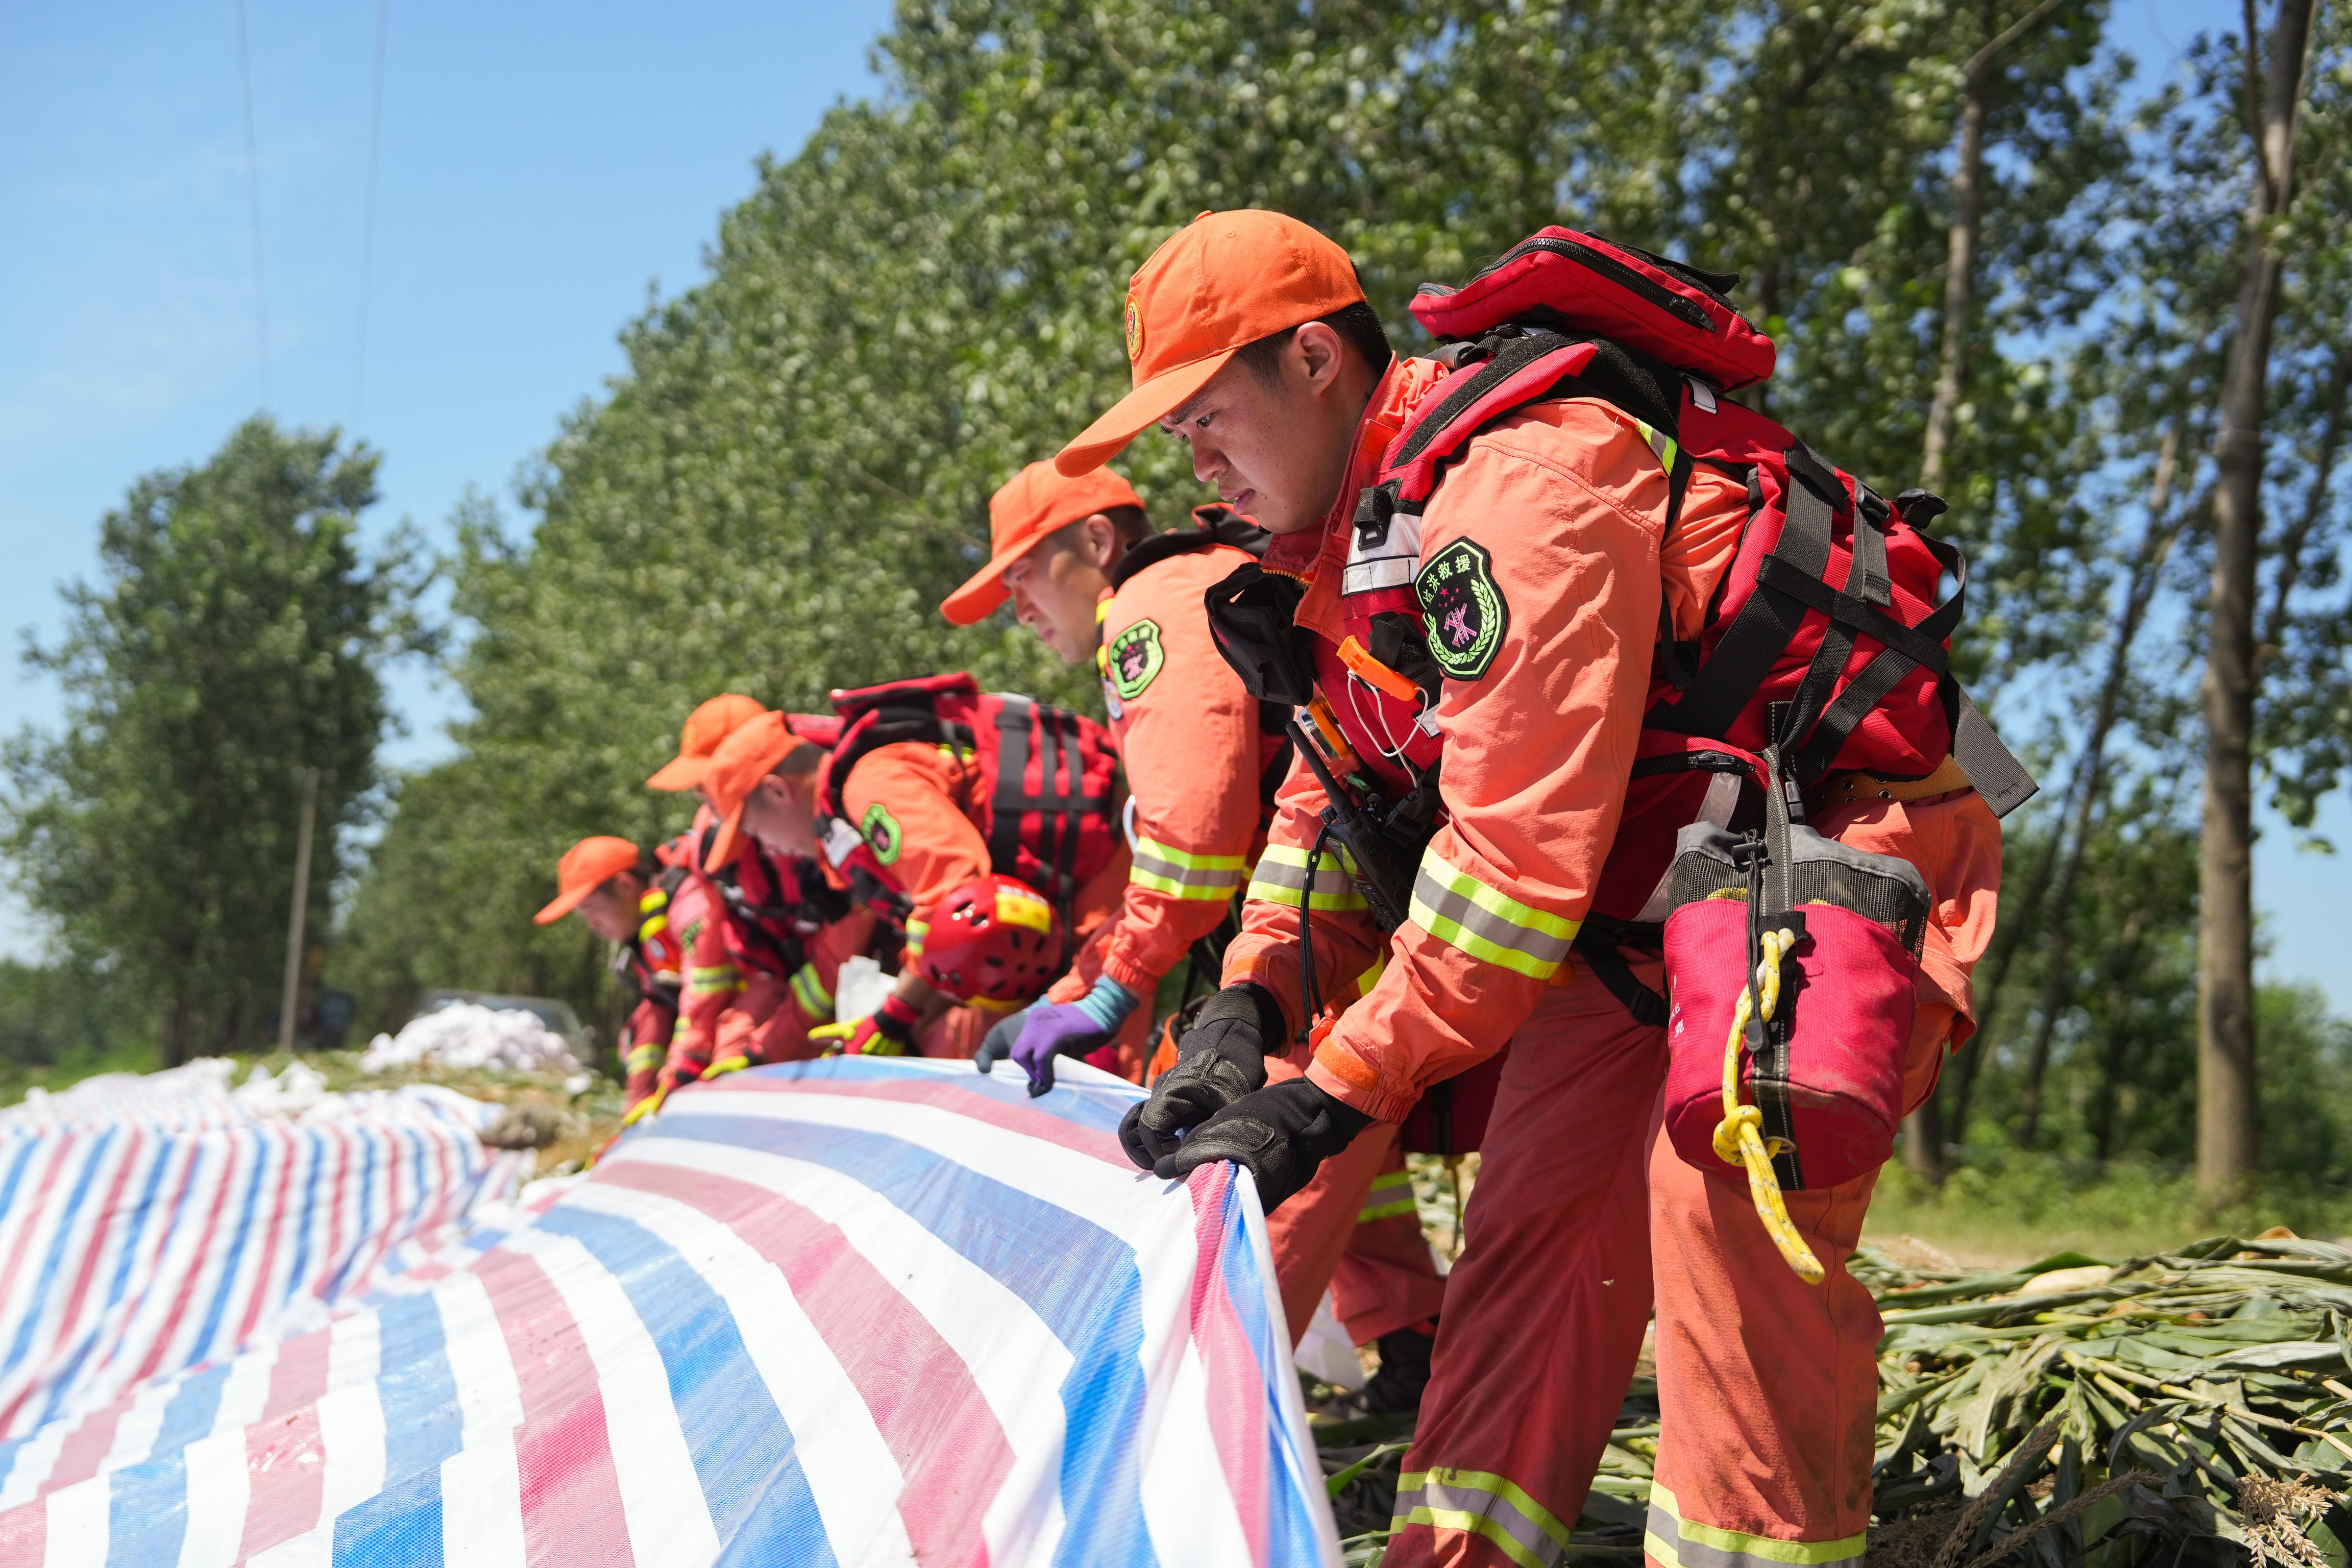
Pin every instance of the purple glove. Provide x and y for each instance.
(1052, 1029)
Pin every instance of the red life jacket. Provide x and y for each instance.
(774, 904)
(1048, 783)
(1824, 632)
(651, 965)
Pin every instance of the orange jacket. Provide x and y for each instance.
(927, 832)
(1567, 502)
(709, 981)
(1193, 753)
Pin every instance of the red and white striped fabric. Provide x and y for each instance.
(853, 1312)
(147, 1227)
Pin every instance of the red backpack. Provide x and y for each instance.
(1824, 634)
(1048, 782)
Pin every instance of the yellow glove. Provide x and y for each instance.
(725, 1063)
(643, 1108)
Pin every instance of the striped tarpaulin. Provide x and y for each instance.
(848, 1311)
(142, 1233)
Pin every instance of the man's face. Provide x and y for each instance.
(1278, 449)
(1055, 585)
(610, 910)
(781, 812)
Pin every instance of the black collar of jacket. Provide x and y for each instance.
(1212, 525)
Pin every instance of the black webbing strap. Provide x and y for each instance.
(1992, 768)
(1012, 797)
(1463, 391)
(1766, 625)
(1596, 949)
(1769, 908)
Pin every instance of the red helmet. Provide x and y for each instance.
(993, 942)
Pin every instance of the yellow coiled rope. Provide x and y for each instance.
(1739, 1136)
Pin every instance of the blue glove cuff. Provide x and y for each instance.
(1107, 1005)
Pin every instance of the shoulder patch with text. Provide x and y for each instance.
(1463, 609)
(1135, 658)
(882, 835)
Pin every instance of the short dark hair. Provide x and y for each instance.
(1358, 326)
(800, 762)
(1131, 525)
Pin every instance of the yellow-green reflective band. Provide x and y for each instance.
(810, 993)
(1388, 1209)
(1679, 1542)
(916, 932)
(1281, 878)
(1165, 869)
(1371, 977)
(642, 1057)
(653, 897)
(1464, 912)
(1661, 444)
(1484, 1505)
(703, 982)
(650, 929)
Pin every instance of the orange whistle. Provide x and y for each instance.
(1373, 673)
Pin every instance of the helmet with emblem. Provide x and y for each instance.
(995, 944)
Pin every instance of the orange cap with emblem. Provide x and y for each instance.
(586, 866)
(1032, 504)
(749, 753)
(709, 724)
(1219, 284)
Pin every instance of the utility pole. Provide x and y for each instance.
(301, 907)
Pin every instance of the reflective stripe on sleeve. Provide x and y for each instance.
(1464, 912)
(809, 990)
(652, 927)
(1678, 1543)
(916, 932)
(642, 1058)
(1281, 878)
(717, 978)
(1391, 1195)
(1164, 869)
(1661, 445)
(1483, 1505)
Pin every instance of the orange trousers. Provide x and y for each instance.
(1582, 1217)
(1353, 1230)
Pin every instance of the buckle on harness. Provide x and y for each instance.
(1374, 507)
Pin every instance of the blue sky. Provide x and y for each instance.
(544, 171)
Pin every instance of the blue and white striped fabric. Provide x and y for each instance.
(849, 1312)
(148, 1226)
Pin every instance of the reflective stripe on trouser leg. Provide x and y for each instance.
(1392, 1195)
(1678, 1543)
(1281, 878)
(1164, 869)
(717, 978)
(1483, 1505)
(1486, 922)
(1551, 1293)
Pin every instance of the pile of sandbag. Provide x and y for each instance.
(467, 1034)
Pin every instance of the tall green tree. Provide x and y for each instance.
(233, 638)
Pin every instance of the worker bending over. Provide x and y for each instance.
(1474, 657)
(650, 918)
(1085, 572)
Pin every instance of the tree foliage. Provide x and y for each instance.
(233, 638)
(793, 471)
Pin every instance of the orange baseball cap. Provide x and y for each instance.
(1220, 283)
(709, 724)
(586, 866)
(1032, 503)
(749, 753)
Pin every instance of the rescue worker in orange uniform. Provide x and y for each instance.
(1548, 543)
(782, 933)
(763, 781)
(1086, 574)
(712, 982)
(640, 913)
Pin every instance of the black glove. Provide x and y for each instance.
(1282, 1134)
(1221, 1058)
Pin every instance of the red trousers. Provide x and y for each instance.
(1353, 1230)
(1582, 1217)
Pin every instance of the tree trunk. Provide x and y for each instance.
(2226, 1095)
(2139, 592)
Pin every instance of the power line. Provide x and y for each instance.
(253, 202)
(367, 221)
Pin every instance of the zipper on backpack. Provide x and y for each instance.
(1617, 272)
